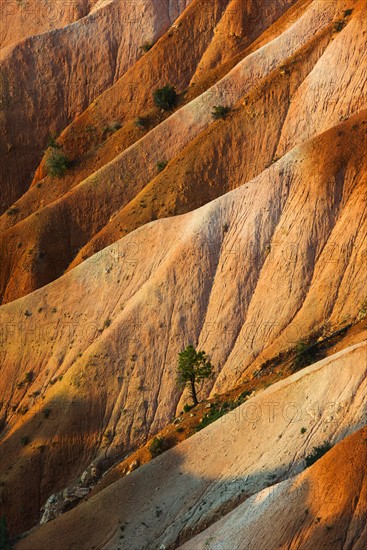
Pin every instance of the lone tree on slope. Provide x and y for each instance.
(193, 366)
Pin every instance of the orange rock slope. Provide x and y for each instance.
(248, 243)
(286, 69)
(249, 461)
(48, 79)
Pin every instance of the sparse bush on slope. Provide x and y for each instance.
(157, 446)
(57, 163)
(317, 452)
(220, 111)
(165, 98)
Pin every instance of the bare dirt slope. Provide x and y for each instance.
(262, 442)
(122, 167)
(126, 185)
(50, 78)
(22, 18)
(250, 242)
(324, 507)
(128, 98)
(122, 315)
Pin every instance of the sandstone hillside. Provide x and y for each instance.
(242, 234)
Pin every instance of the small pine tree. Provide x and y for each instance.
(4, 535)
(165, 98)
(193, 366)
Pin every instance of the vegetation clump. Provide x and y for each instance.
(52, 143)
(216, 411)
(339, 25)
(57, 163)
(363, 311)
(307, 354)
(142, 122)
(220, 112)
(157, 446)
(317, 452)
(147, 46)
(165, 98)
(112, 128)
(29, 377)
(12, 211)
(161, 165)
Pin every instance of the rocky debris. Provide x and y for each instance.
(133, 466)
(63, 501)
(69, 497)
(90, 476)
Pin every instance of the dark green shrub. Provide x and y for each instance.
(363, 310)
(243, 395)
(161, 165)
(112, 128)
(339, 25)
(24, 440)
(316, 453)
(53, 143)
(46, 413)
(108, 436)
(57, 163)
(147, 46)
(303, 430)
(217, 410)
(165, 98)
(29, 377)
(307, 354)
(157, 446)
(12, 211)
(348, 12)
(187, 407)
(141, 122)
(220, 112)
